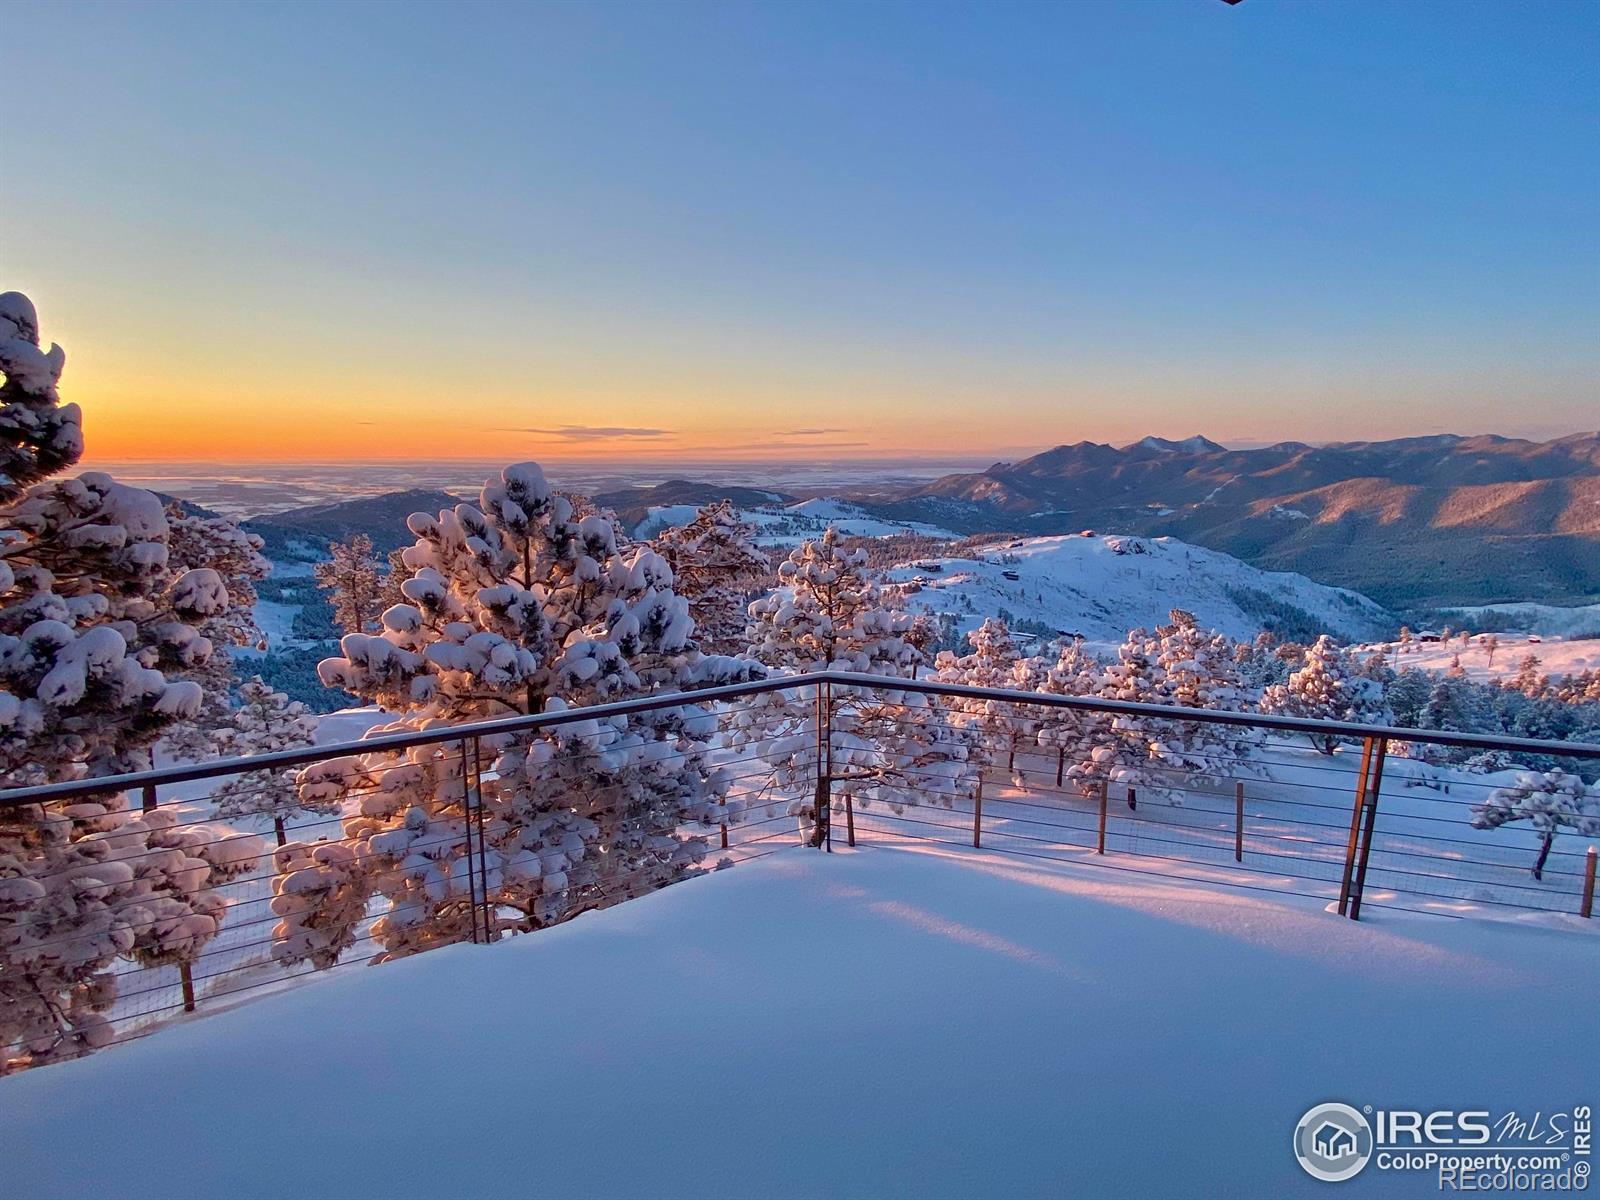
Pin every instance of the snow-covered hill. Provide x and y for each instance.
(1581, 621)
(1483, 661)
(785, 525)
(1101, 586)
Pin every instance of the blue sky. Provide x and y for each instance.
(923, 228)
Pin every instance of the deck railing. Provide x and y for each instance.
(1372, 824)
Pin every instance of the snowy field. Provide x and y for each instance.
(1105, 585)
(891, 1021)
(1557, 657)
(1581, 620)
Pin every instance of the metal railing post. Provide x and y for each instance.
(468, 816)
(822, 805)
(186, 979)
(149, 797)
(1360, 884)
(1238, 820)
(1586, 909)
(483, 845)
(1105, 788)
(977, 815)
(1355, 828)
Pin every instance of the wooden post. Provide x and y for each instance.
(1133, 797)
(277, 828)
(187, 979)
(1587, 908)
(1355, 828)
(1105, 788)
(977, 815)
(1061, 764)
(1360, 884)
(849, 820)
(149, 797)
(1238, 821)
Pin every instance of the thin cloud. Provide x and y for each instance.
(807, 432)
(796, 446)
(584, 433)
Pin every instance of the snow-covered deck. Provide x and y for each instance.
(909, 1020)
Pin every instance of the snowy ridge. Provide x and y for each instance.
(787, 525)
(1102, 586)
(1579, 621)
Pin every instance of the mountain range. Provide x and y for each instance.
(1411, 522)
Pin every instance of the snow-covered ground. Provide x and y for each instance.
(899, 1020)
(1426, 856)
(1104, 585)
(786, 525)
(1557, 657)
(1557, 620)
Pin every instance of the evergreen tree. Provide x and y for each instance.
(217, 544)
(1328, 687)
(512, 607)
(1408, 695)
(350, 576)
(1073, 733)
(888, 745)
(995, 662)
(264, 722)
(1549, 801)
(93, 617)
(716, 565)
(1529, 680)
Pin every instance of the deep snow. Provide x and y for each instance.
(885, 1021)
(1102, 586)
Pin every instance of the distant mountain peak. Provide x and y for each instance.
(1197, 444)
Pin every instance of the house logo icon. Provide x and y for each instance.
(1333, 1142)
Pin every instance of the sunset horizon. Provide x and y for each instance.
(799, 599)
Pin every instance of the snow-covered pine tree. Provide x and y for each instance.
(1196, 669)
(1259, 663)
(1182, 664)
(196, 542)
(995, 662)
(1407, 695)
(350, 577)
(512, 608)
(1328, 686)
(91, 616)
(890, 745)
(1529, 679)
(265, 721)
(716, 565)
(1549, 801)
(389, 593)
(1073, 732)
(1118, 750)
